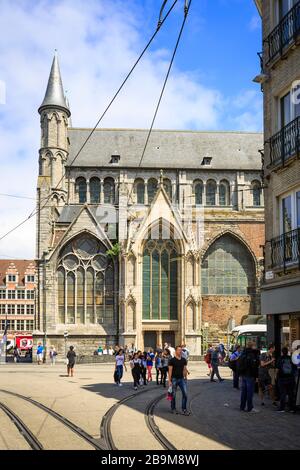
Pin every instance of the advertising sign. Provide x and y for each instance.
(24, 342)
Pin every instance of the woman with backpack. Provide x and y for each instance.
(52, 355)
(135, 364)
(286, 381)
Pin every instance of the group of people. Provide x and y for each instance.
(170, 365)
(275, 377)
(70, 359)
(107, 350)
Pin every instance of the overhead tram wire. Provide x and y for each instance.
(36, 211)
(186, 11)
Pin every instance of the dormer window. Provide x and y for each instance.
(206, 161)
(115, 159)
(11, 278)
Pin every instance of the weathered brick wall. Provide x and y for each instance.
(216, 310)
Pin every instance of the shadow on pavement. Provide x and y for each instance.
(216, 415)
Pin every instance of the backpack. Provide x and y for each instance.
(247, 362)
(286, 366)
(207, 358)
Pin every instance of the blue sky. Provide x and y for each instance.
(210, 87)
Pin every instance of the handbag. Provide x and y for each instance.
(170, 393)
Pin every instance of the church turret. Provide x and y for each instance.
(54, 112)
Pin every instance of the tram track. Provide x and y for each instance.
(73, 427)
(106, 433)
(22, 428)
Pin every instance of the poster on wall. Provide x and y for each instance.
(24, 342)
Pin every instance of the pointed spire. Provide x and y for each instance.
(54, 96)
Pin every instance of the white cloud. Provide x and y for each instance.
(98, 41)
(255, 23)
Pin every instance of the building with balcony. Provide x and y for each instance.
(17, 296)
(280, 80)
(144, 253)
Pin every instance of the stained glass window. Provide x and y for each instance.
(211, 189)
(227, 268)
(152, 188)
(160, 280)
(140, 191)
(95, 190)
(85, 274)
(199, 193)
(80, 188)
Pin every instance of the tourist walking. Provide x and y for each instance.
(150, 359)
(185, 352)
(39, 353)
(158, 368)
(71, 358)
(178, 378)
(143, 358)
(286, 381)
(222, 352)
(248, 370)
(16, 354)
(120, 364)
(135, 364)
(266, 363)
(215, 358)
(165, 357)
(52, 355)
(233, 361)
(207, 358)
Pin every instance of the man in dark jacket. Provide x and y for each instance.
(248, 370)
(286, 380)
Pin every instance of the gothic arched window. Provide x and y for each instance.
(85, 283)
(168, 187)
(198, 190)
(152, 188)
(224, 193)
(109, 191)
(211, 190)
(256, 193)
(228, 268)
(160, 280)
(80, 189)
(140, 191)
(95, 190)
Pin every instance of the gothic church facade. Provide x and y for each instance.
(149, 253)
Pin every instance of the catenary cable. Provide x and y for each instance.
(36, 211)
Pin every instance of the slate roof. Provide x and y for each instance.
(167, 149)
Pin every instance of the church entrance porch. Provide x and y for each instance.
(154, 338)
(168, 337)
(150, 340)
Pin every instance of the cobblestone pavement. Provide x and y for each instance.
(215, 423)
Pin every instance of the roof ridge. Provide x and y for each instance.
(165, 130)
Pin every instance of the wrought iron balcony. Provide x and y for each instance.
(286, 250)
(285, 143)
(284, 35)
